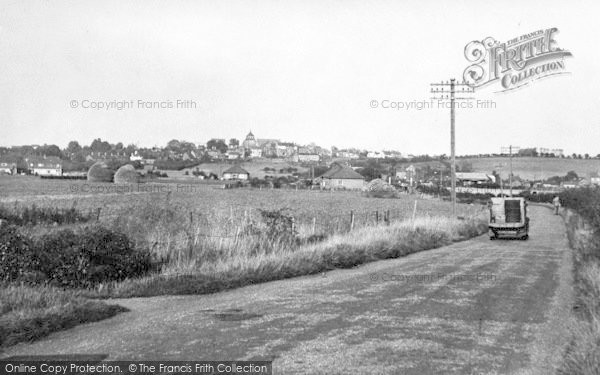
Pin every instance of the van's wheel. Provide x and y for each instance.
(525, 237)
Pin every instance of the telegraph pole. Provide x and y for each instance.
(441, 90)
(510, 175)
(510, 149)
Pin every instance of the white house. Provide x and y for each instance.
(236, 173)
(50, 166)
(7, 167)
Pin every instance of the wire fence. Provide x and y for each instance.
(228, 224)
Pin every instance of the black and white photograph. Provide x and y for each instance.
(314, 187)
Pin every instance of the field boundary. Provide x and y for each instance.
(348, 250)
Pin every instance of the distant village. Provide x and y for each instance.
(51, 160)
(329, 167)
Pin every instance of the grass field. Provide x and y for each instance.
(530, 168)
(204, 239)
(326, 212)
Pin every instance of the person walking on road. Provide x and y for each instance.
(556, 203)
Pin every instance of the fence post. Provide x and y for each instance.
(293, 224)
(98, 214)
(351, 220)
(191, 217)
(314, 225)
(414, 211)
(387, 217)
(377, 217)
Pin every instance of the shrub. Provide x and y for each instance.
(538, 197)
(100, 172)
(280, 226)
(68, 258)
(17, 255)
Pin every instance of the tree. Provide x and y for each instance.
(571, 176)
(50, 150)
(217, 144)
(130, 149)
(119, 146)
(234, 142)
(100, 146)
(73, 147)
(174, 145)
(527, 152)
(370, 173)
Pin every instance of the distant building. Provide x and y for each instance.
(308, 158)
(251, 146)
(341, 177)
(233, 155)
(236, 173)
(375, 155)
(250, 141)
(474, 178)
(558, 152)
(348, 154)
(50, 166)
(136, 156)
(8, 167)
(256, 152)
(285, 150)
(213, 154)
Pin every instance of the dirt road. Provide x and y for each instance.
(480, 306)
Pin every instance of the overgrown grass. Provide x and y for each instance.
(583, 353)
(235, 266)
(34, 215)
(28, 313)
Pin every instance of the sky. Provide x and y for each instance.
(303, 71)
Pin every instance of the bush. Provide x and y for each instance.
(92, 256)
(280, 226)
(538, 197)
(17, 255)
(68, 258)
